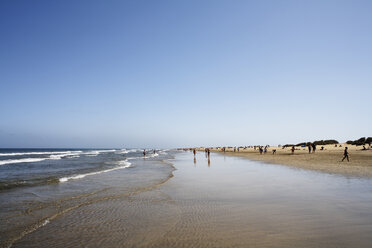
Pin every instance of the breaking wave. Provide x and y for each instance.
(124, 164)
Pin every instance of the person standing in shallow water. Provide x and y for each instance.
(194, 151)
(346, 155)
(144, 152)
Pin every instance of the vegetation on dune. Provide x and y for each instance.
(360, 142)
(317, 142)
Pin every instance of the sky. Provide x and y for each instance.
(183, 73)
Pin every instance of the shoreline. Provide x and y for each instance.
(228, 202)
(327, 161)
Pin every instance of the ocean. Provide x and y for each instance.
(39, 185)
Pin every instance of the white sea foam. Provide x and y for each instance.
(22, 160)
(148, 155)
(36, 153)
(97, 152)
(152, 155)
(56, 156)
(135, 150)
(45, 222)
(67, 154)
(101, 151)
(124, 164)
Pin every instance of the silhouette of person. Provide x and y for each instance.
(314, 147)
(194, 151)
(144, 152)
(346, 155)
(309, 147)
(293, 149)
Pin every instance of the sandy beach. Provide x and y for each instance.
(327, 160)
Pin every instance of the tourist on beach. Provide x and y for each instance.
(309, 147)
(260, 149)
(209, 153)
(314, 147)
(265, 150)
(274, 151)
(346, 155)
(144, 152)
(194, 151)
(293, 149)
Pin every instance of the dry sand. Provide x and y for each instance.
(328, 160)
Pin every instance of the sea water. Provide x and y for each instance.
(39, 185)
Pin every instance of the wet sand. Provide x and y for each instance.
(328, 160)
(226, 202)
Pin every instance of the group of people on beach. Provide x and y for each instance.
(207, 155)
(263, 150)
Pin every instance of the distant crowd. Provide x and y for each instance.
(311, 147)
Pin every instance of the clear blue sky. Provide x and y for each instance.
(183, 73)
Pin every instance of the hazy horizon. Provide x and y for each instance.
(164, 74)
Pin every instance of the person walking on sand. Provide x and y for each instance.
(346, 155)
(293, 149)
(309, 147)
